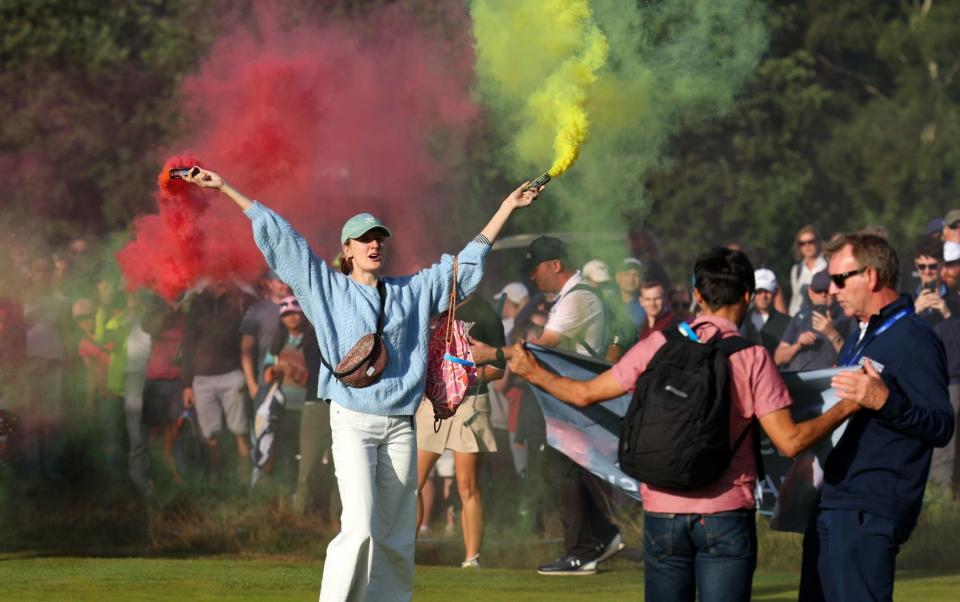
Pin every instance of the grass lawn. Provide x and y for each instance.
(58, 578)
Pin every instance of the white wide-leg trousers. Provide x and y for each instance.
(371, 559)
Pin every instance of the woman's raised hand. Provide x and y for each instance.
(522, 197)
(517, 198)
(204, 178)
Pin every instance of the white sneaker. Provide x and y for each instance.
(471, 563)
(616, 544)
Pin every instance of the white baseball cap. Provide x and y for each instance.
(951, 251)
(596, 270)
(765, 280)
(515, 291)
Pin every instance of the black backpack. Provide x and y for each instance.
(676, 432)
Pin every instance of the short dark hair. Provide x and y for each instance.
(648, 284)
(723, 277)
(871, 251)
(929, 247)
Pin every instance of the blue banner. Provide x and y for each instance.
(589, 437)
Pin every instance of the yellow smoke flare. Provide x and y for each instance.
(547, 52)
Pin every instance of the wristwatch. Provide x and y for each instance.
(500, 357)
(837, 338)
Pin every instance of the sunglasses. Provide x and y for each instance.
(803, 243)
(927, 267)
(840, 280)
(954, 226)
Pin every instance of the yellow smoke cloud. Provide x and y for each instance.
(546, 54)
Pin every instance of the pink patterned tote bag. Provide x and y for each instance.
(450, 367)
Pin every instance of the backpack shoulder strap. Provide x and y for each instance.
(586, 287)
(593, 291)
(595, 353)
(731, 345)
(673, 334)
(757, 452)
(728, 347)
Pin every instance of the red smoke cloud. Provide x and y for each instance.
(319, 122)
(171, 251)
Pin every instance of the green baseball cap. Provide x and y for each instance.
(360, 224)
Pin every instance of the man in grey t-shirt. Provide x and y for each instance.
(257, 329)
(815, 335)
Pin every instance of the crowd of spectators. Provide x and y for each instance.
(129, 376)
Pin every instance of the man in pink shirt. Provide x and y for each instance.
(703, 541)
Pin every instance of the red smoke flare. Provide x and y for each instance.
(320, 122)
(171, 251)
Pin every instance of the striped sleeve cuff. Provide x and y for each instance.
(253, 210)
(483, 240)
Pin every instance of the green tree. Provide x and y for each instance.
(850, 120)
(88, 96)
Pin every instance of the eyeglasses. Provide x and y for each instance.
(927, 267)
(840, 280)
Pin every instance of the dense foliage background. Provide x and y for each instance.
(850, 119)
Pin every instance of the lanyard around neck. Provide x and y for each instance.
(854, 356)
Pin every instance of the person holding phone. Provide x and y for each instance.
(815, 335)
(371, 417)
(933, 300)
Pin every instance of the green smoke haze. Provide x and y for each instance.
(670, 64)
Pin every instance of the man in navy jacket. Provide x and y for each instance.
(875, 477)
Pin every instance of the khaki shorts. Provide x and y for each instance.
(468, 431)
(218, 397)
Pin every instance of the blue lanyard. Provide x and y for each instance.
(854, 357)
(688, 332)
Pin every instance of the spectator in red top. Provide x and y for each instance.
(13, 347)
(703, 541)
(162, 392)
(653, 301)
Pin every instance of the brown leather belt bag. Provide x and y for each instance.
(367, 359)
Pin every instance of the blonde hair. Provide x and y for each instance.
(808, 229)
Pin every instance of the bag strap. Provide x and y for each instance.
(579, 339)
(728, 347)
(757, 453)
(452, 310)
(382, 289)
(731, 345)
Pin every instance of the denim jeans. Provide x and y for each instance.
(713, 555)
(375, 459)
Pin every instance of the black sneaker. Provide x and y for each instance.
(606, 550)
(569, 565)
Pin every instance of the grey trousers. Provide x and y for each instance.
(138, 461)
